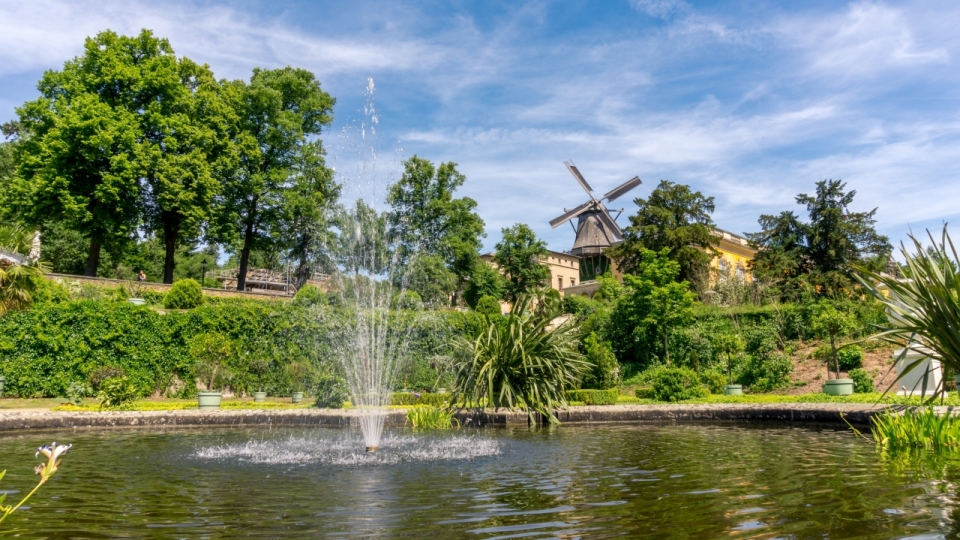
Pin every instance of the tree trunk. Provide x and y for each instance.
(836, 362)
(666, 346)
(171, 230)
(245, 251)
(303, 268)
(93, 259)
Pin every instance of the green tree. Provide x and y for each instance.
(833, 324)
(651, 305)
(674, 218)
(822, 253)
(429, 277)
(518, 256)
(308, 210)
(426, 218)
(484, 281)
(79, 154)
(277, 111)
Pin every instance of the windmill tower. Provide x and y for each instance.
(596, 229)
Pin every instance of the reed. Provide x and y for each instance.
(919, 428)
(428, 417)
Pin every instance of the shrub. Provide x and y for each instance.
(117, 393)
(850, 357)
(103, 373)
(331, 392)
(76, 392)
(212, 352)
(310, 295)
(604, 370)
(488, 305)
(714, 379)
(409, 300)
(185, 294)
(916, 429)
(862, 381)
(430, 418)
(677, 384)
(415, 398)
(594, 397)
(578, 305)
(763, 374)
(152, 297)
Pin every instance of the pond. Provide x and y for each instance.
(658, 481)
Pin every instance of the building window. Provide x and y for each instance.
(573, 282)
(740, 273)
(560, 282)
(722, 264)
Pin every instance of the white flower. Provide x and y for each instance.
(53, 453)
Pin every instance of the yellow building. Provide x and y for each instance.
(564, 268)
(734, 259)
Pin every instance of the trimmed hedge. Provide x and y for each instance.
(412, 398)
(594, 397)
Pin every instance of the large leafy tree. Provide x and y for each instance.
(278, 110)
(79, 154)
(651, 304)
(819, 255)
(426, 218)
(675, 218)
(518, 256)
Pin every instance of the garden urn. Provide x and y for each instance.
(733, 390)
(838, 387)
(259, 397)
(2, 380)
(209, 400)
(296, 397)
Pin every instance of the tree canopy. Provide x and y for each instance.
(819, 256)
(518, 256)
(676, 218)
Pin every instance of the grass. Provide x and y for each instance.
(428, 417)
(186, 404)
(867, 399)
(917, 429)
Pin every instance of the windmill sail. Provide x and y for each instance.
(625, 187)
(576, 174)
(560, 220)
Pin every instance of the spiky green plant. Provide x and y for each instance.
(921, 428)
(925, 306)
(521, 360)
(429, 417)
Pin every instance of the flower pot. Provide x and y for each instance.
(259, 396)
(137, 301)
(838, 387)
(2, 380)
(440, 391)
(733, 390)
(209, 400)
(296, 397)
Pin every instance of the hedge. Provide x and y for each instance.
(594, 397)
(413, 398)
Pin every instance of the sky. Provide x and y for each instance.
(749, 102)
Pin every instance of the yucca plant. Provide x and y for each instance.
(924, 306)
(521, 360)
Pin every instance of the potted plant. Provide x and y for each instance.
(833, 324)
(2, 381)
(729, 346)
(259, 368)
(212, 352)
(298, 373)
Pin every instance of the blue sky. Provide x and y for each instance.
(750, 102)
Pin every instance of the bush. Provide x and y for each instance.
(310, 295)
(76, 392)
(409, 300)
(185, 294)
(579, 305)
(431, 418)
(331, 392)
(605, 371)
(677, 384)
(763, 374)
(862, 381)
(594, 397)
(117, 393)
(488, 305)
(714, 379)
(415, 398)
(850, 357)
(103, 373)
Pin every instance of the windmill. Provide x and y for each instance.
(596, 229)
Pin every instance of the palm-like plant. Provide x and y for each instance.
(519, 361)
(925, 306)
(18, 280)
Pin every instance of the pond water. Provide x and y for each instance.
(632, 481)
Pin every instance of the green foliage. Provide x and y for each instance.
(763, 373)
(76, 392)
(515, 361)
(850, 357)
(714, 379)
(431, 418)
(862, 381)
(594, 397)
(331, 392)
(408, 300)
(117, 393)
(927, 306)
(578, 305)
(310, 295)
(489, 306)
(818, 257)
(184, 294)
(416, 398)
(677, 384)
(518, 257)
(833, 324)
(212, 353)
(922, 428)
(652, 304)
(301, 375)
(604, 369)
(428, 277)
(484, 281)
(676, 220)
